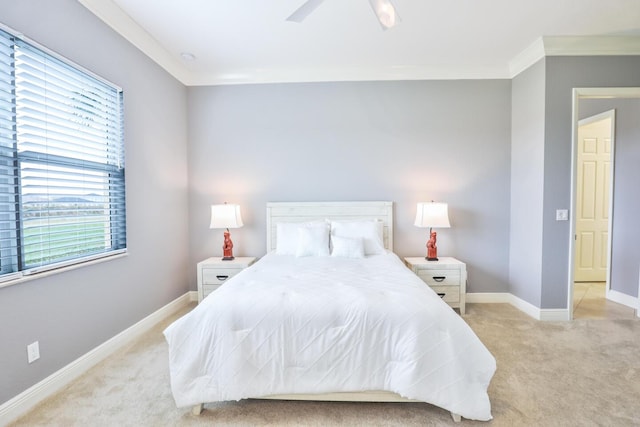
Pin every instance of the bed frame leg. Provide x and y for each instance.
(197, 409)
(456, 418)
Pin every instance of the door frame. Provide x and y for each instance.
(578, 94)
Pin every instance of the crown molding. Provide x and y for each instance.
(299, 75)
(574, 46)
(525, 59)
(591, 45)
(122, 23)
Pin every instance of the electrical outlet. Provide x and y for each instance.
(33, 352)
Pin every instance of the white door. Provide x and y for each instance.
(595, 141)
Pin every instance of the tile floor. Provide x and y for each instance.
(589, 302)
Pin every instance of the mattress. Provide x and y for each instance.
(290, 325)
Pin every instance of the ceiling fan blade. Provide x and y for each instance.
(385, 12)
(305, 10)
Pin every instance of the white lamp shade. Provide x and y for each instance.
(225, 216)
(432, 215)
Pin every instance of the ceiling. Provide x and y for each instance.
(250, 41)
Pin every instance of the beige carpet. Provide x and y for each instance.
(581, 373)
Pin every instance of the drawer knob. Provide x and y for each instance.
(439, 278)
(441, 295)
(221, 278)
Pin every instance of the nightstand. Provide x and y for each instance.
(447, 277)
(213, 272)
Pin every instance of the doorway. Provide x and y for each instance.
(594, 180)
(622, 296)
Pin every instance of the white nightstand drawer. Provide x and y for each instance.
(207, 289)
(213, 272)
(440, 277)
(449, 294)
(217, 276)
(446, 276)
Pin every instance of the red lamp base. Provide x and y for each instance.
(432, 249)
(227, 247)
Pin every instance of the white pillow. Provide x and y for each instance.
(370, 231)
(287, 238)
(287, 235)
(313, 241)
(347, 247)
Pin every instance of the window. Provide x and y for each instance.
(62, 195)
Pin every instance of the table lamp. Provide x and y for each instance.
(432, 215)
(226, 216)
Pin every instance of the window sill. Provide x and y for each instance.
(22, 277)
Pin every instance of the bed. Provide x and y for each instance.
(348, 322)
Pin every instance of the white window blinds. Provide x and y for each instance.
(62, 195)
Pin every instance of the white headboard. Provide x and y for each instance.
(338, 211)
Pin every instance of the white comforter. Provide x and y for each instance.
(324, 324)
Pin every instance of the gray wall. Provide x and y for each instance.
(404, 141)
(625, 250)
(562, 75)
(527, 183)
(71, 313)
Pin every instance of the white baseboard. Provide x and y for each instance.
(547, 314)
(623, 299)
(522, 305)
(488, 297)
(554, 314)
(504, 298)
(25, 401)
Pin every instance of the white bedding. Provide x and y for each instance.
(291, 325)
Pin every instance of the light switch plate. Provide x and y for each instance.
(33, 352)
(562, 215)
